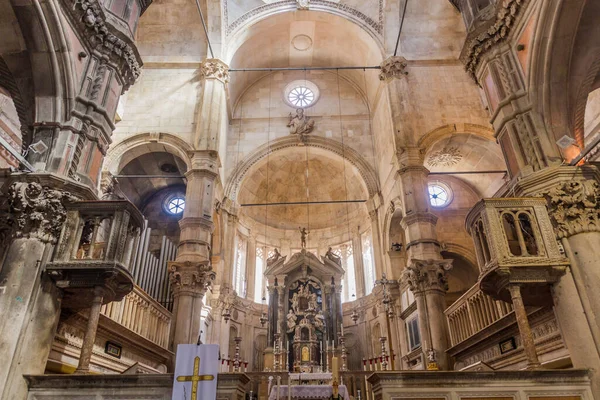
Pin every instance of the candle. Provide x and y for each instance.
(335, 369)
(253, 399)
(342, 329)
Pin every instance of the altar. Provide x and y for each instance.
(308, 392)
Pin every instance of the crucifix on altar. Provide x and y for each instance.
(196, 372)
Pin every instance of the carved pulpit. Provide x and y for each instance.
(305, 307)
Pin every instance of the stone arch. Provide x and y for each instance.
(395, 207)
(123, 152)
(365, 170)
(434, 136)
(565, 65)
(236, 28)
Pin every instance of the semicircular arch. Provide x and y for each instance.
(364, 169)
(125, 151)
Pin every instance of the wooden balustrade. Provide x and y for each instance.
(472, 312)
(141, 314)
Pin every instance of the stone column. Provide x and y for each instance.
(251, 267)
(358, 265)
(191, 272)
(428, 281)
(29, 302)
(376, 237)
(524, 327)
(90, 332)
(211, 125)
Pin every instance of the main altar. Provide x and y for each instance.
(305, 310)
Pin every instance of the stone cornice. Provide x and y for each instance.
(498, 31)
(90, 19)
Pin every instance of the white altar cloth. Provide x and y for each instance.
(312, 376)
(312, 392)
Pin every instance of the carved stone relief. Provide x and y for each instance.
(393, 67)
(574, 207)
(445, 157)
(34, 211)
(213, 68)
(423, 275)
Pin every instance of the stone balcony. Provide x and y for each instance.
(137, 324)
(484, 334)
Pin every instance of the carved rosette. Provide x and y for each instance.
(574, 207)
(427, 275)
(34, 211)
(213, 68)
(190, 278)
(393, 67)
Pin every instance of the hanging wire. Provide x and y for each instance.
(237, 157)
(268, 161)
(343, 154)
(375, 163)
(306, 174)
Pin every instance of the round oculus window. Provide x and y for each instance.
(439, 196)
(301, 94)
(175, 205)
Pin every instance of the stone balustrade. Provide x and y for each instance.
(472, 312)
(141, 314)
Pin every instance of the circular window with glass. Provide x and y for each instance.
(439, 195)
(301, 94)
(175, 205)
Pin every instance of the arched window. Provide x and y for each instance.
(368, 262)
(346, 253)
(512, 237)
(239, 267)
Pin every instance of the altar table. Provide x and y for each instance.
(311, 377)
(312, 392)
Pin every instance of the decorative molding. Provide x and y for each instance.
(34, 211)
(393, 67)
(446, 157)
(499, 31)
(574, 207)
(426, 275)
(190, 278)
(315, 5)
(213, 68)
(90, 17)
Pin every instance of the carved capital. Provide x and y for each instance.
(426, 275)
(189, 278)
(393, 67)
(34, 211)
(213, 68)
(574, 207)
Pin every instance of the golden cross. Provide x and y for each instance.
(195, 378)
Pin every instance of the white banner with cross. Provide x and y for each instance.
(196, 372)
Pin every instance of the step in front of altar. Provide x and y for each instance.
(307, 392)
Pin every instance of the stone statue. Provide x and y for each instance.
(295, 302)
(291, 320)
(333, 257)
(303, 234)
(300, 124)
(312, 301)
(431, 356)
(276, 256)
(320, 320)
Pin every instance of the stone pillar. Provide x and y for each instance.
(373, 206)
(428, 281)
(358, 265)
(524, 327)
(211, 125)
(192, 272)
(29, 302)
(273, 312)
(251, 267)
(90, 332)
(280, 309)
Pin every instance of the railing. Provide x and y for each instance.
(141, 314)
(473, 312)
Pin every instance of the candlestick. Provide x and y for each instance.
(342, 329)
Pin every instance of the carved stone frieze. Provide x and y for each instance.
(508, 12)
(445, 157)
(213, 68)
(190, 278)
(34, 211)
(91, 18)
(393, 67)
(574, 207)
(426, 275)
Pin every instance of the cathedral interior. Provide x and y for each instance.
(386, 199)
